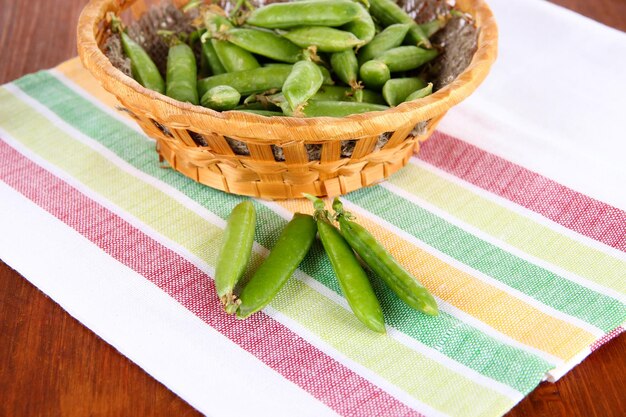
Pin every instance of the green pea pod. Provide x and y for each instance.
(374, 74)
(353, 281)
(268, 113)
(181, 77)
(396, 90)
(346, 67)
(144, 70)
(339, 108)
(325, 39)
(231, 57)
(292, 246)
(368, 96)
(384, 265)
(333, 93)
(252, 103)
(387, 12)
(248, 82)
(275, 65)
(221, 98)
(195, 36)
(406, 58)
(358, 95)
(235, 252)
(432, 27)
(328, 79)
(304, 13)
(265, 43)
(417, 36)
(211, 58)
(390, 37)
(421, 93)
(234, 58)
(340, 93)
(362, 26)
(303, 82)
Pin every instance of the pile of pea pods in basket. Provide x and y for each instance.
(341, 244)
(302, 58)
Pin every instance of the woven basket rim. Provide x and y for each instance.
(318, 129)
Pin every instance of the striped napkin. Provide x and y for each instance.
(508, 214)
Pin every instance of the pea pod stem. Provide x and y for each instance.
(383, 264)
(353, 281)
(215, 21)
(239, 6)
(292, 246)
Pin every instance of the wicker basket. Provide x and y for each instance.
(174, 124)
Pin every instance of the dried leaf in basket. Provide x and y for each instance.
(458, 41)
(164, 17)
(425, 10)
(113, 50)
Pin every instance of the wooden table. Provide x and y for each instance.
(51, 365)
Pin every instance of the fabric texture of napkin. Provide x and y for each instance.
(511, 214)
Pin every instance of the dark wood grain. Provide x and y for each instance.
(54, 366)
(609, 12)
(51, 365)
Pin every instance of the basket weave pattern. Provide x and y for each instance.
(174, 125)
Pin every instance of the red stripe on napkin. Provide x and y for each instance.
(294, 358)
(607, 337)
(554, 201)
